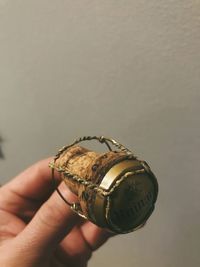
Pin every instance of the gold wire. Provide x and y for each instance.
(95, 187)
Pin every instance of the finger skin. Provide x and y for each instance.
(24, 195)
(54, 225)
(49, 226)
(94, 235)
(35, 182)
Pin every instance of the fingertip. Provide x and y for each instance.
(95, 235)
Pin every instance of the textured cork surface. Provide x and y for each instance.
(88, 165)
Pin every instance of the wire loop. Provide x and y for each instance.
(103, 140)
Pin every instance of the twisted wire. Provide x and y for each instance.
(89, 184)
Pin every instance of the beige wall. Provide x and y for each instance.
(127, 69)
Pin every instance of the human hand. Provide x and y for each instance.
(37, 228)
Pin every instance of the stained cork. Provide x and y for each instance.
(90, 166)
(115, 190)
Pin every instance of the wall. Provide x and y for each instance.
(126, 69)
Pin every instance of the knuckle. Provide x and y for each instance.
(50, 215)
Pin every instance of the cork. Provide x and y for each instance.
(115, 190)
(90, 166)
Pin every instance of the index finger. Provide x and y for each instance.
(34, 183)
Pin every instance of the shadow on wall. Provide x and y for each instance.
(170, 133)
(171, 137)
(1, 152)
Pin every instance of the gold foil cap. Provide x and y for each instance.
(131, 194)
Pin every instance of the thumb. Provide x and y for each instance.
(53, 221)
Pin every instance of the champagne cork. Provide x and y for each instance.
(115, 190)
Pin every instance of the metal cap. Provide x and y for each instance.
(130, 191)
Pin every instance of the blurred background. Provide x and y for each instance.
(125, 69)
